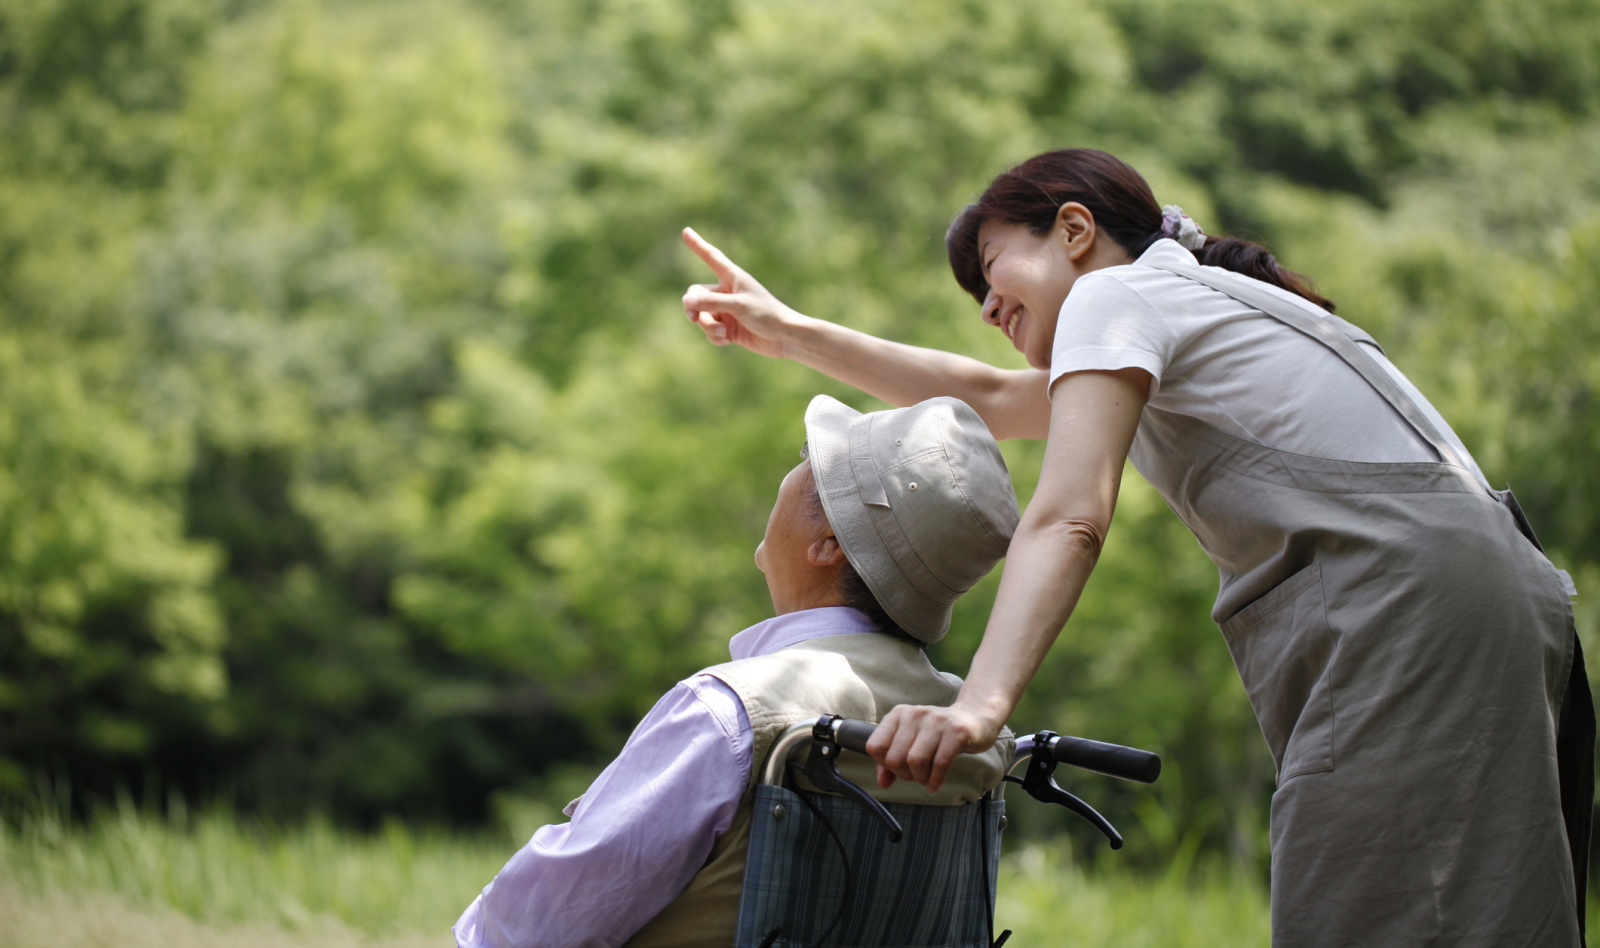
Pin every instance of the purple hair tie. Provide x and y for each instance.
(1182, 228)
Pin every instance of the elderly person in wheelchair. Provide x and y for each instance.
(889, 519)
(691, 837)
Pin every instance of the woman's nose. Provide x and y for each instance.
(991, 309)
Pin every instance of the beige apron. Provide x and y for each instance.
(1407, 652)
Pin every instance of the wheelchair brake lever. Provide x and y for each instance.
(1041, 785)
(822, 770)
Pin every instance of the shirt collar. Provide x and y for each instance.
(1166, 250)
(780, 632)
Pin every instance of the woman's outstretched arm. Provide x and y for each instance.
(738, 310)
(1055, 547)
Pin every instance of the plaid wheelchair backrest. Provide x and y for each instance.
(926, 891)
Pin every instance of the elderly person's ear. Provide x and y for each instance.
(825, 552)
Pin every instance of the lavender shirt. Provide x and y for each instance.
(647, 823)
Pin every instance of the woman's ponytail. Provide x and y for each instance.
(1123, 207)
(1256, 261)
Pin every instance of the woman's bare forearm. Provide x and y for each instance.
(1012, 403)
(1047, 568)
(1059, 539)
(1052, 553)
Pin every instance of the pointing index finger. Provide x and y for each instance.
(714, 258)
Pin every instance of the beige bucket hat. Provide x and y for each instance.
(919, 498)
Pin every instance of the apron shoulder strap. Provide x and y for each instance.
(1336, 334)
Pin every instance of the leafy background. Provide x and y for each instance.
(355, 459)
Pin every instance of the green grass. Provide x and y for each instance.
(215, 880)
(223, 871)
(1048, 901)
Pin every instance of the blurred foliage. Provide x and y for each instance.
(353, 455)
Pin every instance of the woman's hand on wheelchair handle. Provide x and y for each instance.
(920, 742)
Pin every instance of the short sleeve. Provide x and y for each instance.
(1106, 325)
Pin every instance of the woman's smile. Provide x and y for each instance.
(1027, 274)
(1006, 316)
(1010, 323)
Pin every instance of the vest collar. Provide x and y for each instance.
(780, 632)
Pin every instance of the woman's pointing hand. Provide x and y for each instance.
(735, 309)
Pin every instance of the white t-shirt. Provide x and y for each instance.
(1215, 359)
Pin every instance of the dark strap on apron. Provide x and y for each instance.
(1575, 734)
(1575, 731)
(1334, 333)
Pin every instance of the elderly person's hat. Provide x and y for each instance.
(919, 499)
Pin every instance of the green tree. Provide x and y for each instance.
(354, 456)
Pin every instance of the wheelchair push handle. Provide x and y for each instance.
(1113, 760)
(1043, 751)
(853, 735)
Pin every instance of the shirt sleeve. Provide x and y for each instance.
(637, 838)
(1106, 325)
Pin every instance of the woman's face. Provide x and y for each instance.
(1029, 278)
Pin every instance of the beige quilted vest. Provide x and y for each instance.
(858, 676)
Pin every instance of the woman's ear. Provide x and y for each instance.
(1075, 228)
(825, 552)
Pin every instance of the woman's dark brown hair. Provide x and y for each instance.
(1123, 207)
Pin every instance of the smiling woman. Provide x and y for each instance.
(1369, 574)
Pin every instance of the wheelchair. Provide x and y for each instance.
(844, 869)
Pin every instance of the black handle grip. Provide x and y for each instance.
(1113, 760)
(853, 735)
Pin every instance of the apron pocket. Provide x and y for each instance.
(1284, 651)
